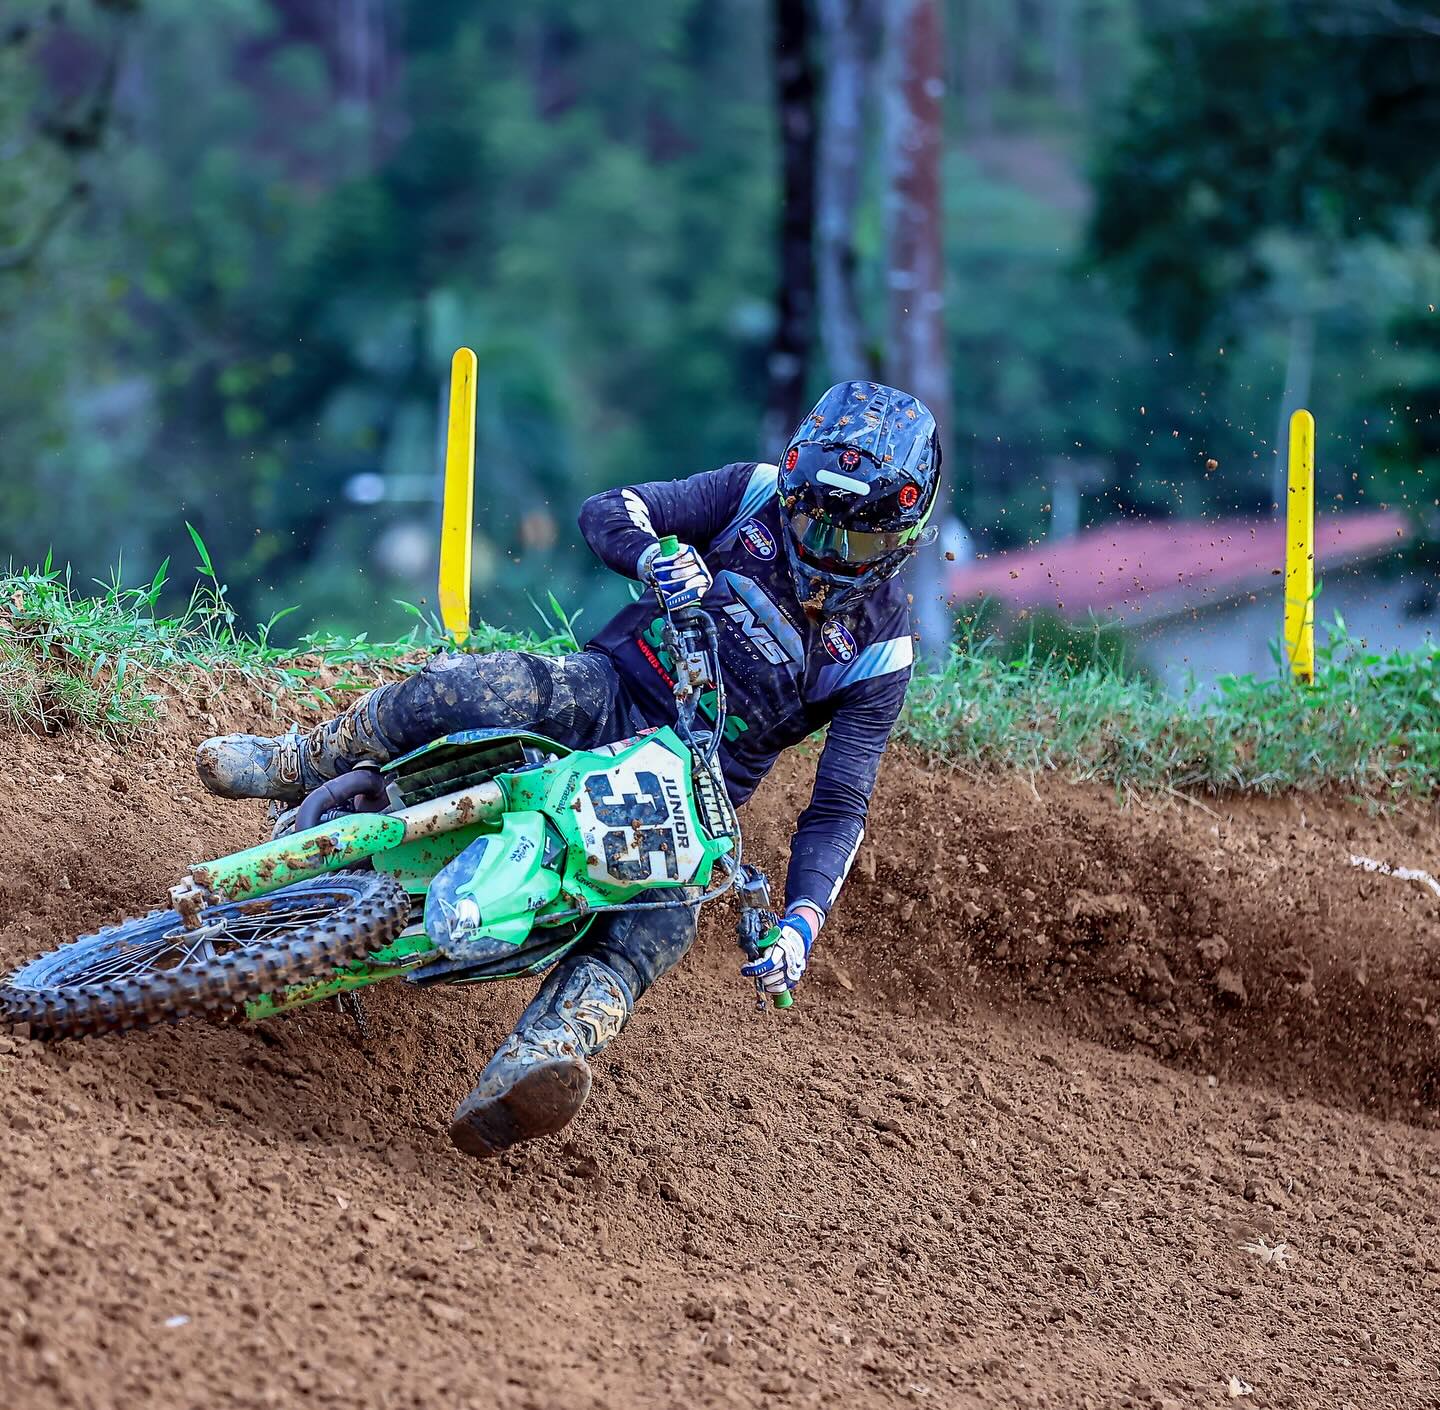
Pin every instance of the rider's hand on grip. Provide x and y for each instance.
(679, 576)
(784, 952)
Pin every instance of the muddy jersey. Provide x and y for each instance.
(786, 676)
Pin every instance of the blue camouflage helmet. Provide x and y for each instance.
(857, 485)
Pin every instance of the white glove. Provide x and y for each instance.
(783, 955)
(681, 579)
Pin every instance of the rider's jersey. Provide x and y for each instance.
(786, 676)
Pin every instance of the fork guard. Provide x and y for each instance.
(482, 905)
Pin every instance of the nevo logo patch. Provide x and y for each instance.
(758, 540)
(837, 641)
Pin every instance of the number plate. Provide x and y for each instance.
(636, 822)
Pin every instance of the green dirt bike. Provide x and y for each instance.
(484, 855)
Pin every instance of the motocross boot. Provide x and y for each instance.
(540, 1078)
(288, 766)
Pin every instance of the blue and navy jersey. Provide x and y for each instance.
(786, 675)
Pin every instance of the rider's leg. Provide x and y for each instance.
(572, 699)
(540, 1077)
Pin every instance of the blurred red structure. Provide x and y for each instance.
(1139, 572)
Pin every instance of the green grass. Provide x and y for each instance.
(103, 660)
(1369, 725)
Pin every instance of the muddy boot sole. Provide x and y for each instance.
(539, 1103)
(252, 766)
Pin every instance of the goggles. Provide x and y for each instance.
(847, 553)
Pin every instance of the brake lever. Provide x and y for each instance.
(757, 918)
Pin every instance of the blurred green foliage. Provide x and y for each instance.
(239, 240)
(260, 301)
(1272, 164)
(1315, 118)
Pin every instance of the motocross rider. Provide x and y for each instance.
(798, 564)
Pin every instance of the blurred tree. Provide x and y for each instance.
(915, 354)
(851, 42)
(1307, 134)
(259, 307)
(1311, 116)
(58, 80)
(298, 208)
(50, 131)
(795, 103)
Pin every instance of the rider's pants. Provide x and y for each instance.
(575, 700)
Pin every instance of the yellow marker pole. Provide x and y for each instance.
(458, 518)
(1300, 549)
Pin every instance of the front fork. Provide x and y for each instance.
(689, 636)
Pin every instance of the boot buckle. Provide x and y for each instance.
(288, 761)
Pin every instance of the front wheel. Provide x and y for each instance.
(153, 970)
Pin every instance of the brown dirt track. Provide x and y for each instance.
(1004, 1152)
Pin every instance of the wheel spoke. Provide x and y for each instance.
(203, 946)
(127, 961)
(176, 949)
(151, 969)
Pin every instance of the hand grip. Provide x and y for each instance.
(755, 923)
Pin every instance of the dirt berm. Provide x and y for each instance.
(1061, 1057)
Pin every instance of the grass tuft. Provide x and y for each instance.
(102, 660)
(1369, 726)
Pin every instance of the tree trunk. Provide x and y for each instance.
(795, 298)
(361, 54)
(916, 353)
(848, 34)
(1062, 38)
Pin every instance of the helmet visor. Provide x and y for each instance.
(847, 553)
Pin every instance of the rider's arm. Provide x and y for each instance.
(620, 524)
(830, 830)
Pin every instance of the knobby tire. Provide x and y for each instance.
(362, 911)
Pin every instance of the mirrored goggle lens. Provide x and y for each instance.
(827, 546)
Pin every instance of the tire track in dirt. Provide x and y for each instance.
(925, 1184)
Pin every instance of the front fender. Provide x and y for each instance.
(328, 847)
